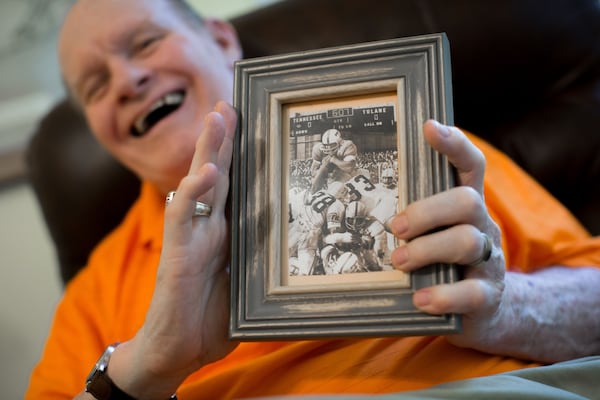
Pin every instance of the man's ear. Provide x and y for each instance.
(226, 37)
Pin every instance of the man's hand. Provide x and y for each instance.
(549, 315)
(186, 326)
(457, 218)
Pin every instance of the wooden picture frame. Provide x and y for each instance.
(309, 253)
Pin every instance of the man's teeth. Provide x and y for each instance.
(169, 99)
(173, 98)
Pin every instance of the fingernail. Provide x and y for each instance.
(399, 224)
(422, 298)
(443, 129)
(399, 257)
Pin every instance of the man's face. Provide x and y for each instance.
(146, 78)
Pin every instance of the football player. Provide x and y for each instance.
(310, 217)
(356, 239)
(334, 159)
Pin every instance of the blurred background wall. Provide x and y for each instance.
(29, 84)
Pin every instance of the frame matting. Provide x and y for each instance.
(309, 248)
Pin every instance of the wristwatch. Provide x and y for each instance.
(99, 384)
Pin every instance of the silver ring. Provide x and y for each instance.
(170, 197)
(201, 210)
(486, 253)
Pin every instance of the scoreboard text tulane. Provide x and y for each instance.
(375, 119)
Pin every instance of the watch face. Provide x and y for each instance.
(102, 362)
(97, 382)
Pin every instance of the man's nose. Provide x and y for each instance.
(131, 80)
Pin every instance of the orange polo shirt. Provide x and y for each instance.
(107, 302)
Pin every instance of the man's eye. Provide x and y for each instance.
(145, 45)
(93, 91)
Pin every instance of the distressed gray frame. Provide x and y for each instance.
(419, 69)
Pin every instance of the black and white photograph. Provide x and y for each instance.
(343, 187)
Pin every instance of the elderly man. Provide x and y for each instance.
(154, 80)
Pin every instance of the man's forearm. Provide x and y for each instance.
(550, 315)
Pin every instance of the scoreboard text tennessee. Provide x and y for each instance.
(376, 119)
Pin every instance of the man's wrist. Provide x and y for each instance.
(133, 384)
(98, 383)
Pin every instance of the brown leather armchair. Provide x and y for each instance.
(526, 77)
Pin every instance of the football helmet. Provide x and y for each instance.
(338, 190)
(329, 256)
(387, 177)
(330, 141)
(356, 216)
(348, 263)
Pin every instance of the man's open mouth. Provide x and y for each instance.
(159, 110)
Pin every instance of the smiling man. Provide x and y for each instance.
(154, 81)
(144, 86)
